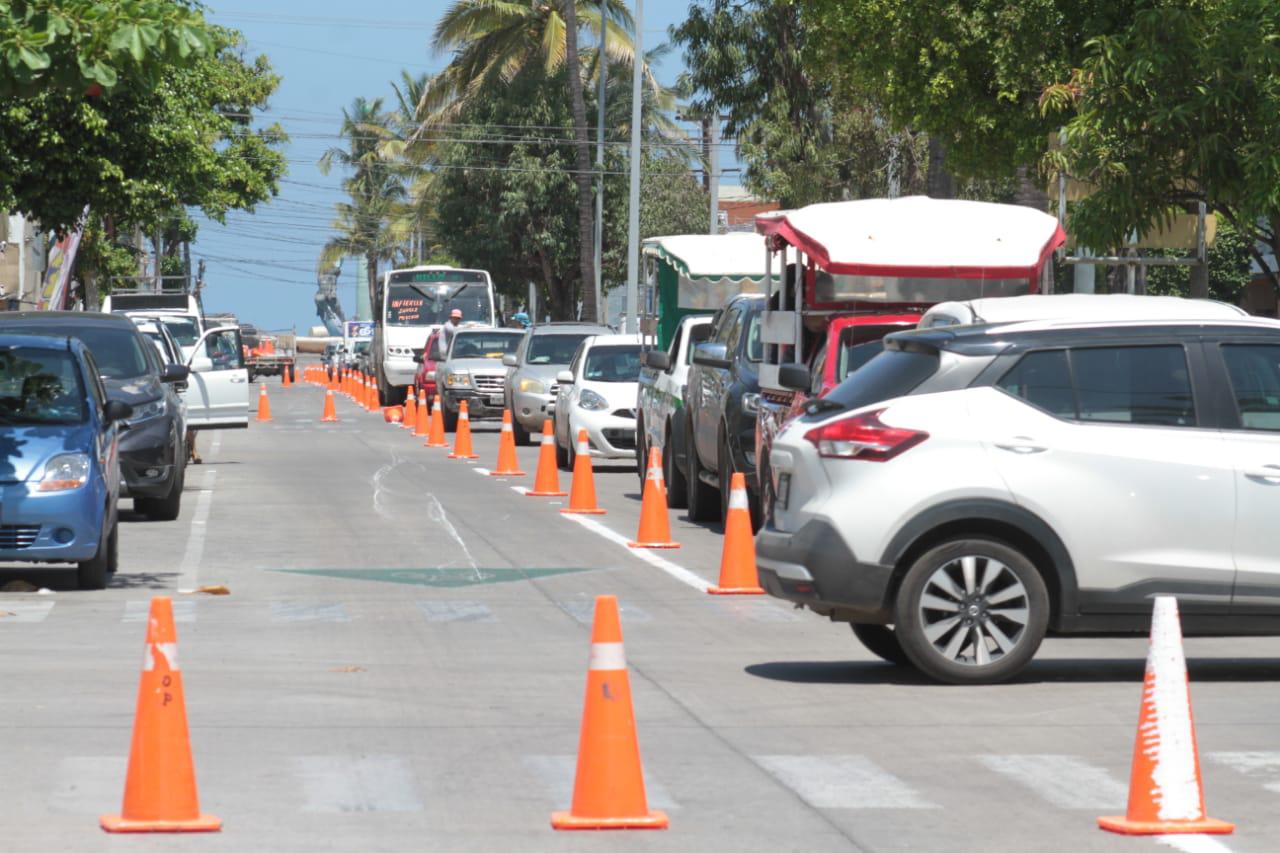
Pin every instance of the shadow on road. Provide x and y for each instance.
(63, 579)
(1082, 670)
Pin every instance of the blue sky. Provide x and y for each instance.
(261, 266)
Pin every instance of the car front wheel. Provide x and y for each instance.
(971, 611)
(518, 432)
(92, 574)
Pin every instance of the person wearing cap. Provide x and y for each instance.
(448, 329)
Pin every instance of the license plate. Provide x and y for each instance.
(784, 490)
(495, 400)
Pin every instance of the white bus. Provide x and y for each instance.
(415, 302)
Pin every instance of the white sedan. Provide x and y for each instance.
(598, 394)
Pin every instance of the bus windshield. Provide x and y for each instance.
(426, 298)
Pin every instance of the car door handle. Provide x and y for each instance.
(239, 380)
(1268, 474)
(1021, 445)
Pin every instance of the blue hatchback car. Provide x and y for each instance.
(59, 466)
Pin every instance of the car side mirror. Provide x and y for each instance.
(175, 373)
(657, 359)
(417, 358)
(565, 377)
(510, 360)
(117, 410)
(712, 355)
(201, 364)
(794, 376)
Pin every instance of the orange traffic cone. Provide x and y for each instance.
(264, 405)
(608, 788)
(160, 786)
(423, 425)
(462, 441)
(508, 465)
(1165, 792)
(738, 559)
(547, 482)
(410, 410)
(582, 490)
(285, 380)
(393, 415)
(330, 415)
(655, 527)
(436, 437)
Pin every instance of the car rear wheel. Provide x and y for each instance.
(564, 458)
(450, 419)
(702, 499)
(92, 574)
(677, 488)
(971, 611)
(168, 507)
(881, 642)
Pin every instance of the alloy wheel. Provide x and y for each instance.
(974, 610)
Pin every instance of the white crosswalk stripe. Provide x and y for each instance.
(1264, 766)
(584, 611)
(556, 772)
(137, 611)
(24, 611)
(345, 784)
(456, 611)
(289, 611)
(842, 782)
(1064, 781)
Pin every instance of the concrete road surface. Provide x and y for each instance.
(400, 666)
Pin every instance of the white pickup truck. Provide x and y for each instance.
(663, 374)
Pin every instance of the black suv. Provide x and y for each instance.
(153, 453)
(721, 402)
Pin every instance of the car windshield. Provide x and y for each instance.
(184, 330)
(117, 349)
(483, 345)
(854, 356)
(431, 304)
(40, 386)
(612, 364)
(554, 349)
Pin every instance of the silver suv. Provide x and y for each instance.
(472, 370)
(531, 385)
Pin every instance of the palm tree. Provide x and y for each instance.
(377, 192)
(493, 41)
(400, 146)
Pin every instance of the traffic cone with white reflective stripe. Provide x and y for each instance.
(547, 482)
(410, 421)
(608, 788)
(330, 415)
(508, 465)
(436, 437)
(655, 526)
(738, 575)
(582, 491)
(160, 785)
(264, 405)
(1165, 792)
(462, 441)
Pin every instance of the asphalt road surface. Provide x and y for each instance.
(400, 665)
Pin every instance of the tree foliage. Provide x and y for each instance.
(74, 45)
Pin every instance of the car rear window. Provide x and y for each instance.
(892, 373)
(40, 386)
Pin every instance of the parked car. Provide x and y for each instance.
(975, 487)
(217, 395)
(424, 381)
(60, 476)
(158, 334)
(597, 393)
(153, 453)
(530, 388)
(660, 416)
(1080, 306)
(722, 400)
(847, 343)
(472, 370)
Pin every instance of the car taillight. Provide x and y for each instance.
(863, 437)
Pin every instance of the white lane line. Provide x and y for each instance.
(1255, 765)
(346, 784)
(456, 611)
(189, 568)
(86, 784)
(1062, 780)
(483, 472)
(291, 611)
(584, 610)
(24, 611)
(556, 772)
(137, 611)
(842, 782)
(1193, 843)
(680, 573)
(519, 490)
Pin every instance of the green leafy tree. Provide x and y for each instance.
(93, 45)
(672, 201)
(1179, 105)
(1228, 269)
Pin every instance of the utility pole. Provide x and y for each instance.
(159, 250)
(633, 212)
(602, 65)
(713, 170)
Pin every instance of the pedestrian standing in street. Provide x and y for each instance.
(448, 329)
